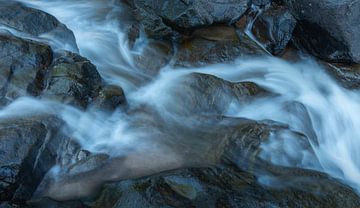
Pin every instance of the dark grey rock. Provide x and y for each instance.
(28, 149)
(72, 79)
(34, 23)
(159, 18)
(22, 64)
(328, 29)
(273, 28)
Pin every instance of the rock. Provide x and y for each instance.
(198, 93)
(273, 28)
(223, 187)
(328, 29)
(35, 23)
(28, 149)
(216, 44)
(160, 18)
(261, 3)
(154, 56)
(229, 183)
(22, 65)
(347, 75)
(28, 68)
(110, 97)
(72, 79)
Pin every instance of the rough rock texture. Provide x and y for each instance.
(72, 79)
(21, 64)
(328, 29)
(35, 23)
(215, 44)
(159, 18)
(29, 148)
(273, 28)
(29, 68)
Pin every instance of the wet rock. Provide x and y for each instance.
(29, 148)
(273, 28)
(28, 68)
(202, 93)
(223, 187)
(154, 56)
(72, 79)
(231, 183)
(110, 97)
(261, 3)
(22, 65)
(328, 29)
(35, 23)
(160, 18)
(347, 75)
(216, 44)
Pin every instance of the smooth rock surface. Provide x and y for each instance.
(35, 23)
(328, 29)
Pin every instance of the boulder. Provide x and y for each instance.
(160, 18)
(72, 79)
(35, 23)
(328, 29)
(30, 68)
(22, 65)
(273, 28)
(215, 44)
(28, 149)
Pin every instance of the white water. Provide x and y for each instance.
(333, 131)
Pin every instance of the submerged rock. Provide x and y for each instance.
(198, 93)
(160, 18)
(35, 23)
(154, 56)
(328, 29)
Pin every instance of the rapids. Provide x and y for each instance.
(333, 132)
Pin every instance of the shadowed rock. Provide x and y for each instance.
(328, 29)
(22, 64)
(35, 23)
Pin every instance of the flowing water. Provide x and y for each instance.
(98, 26)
